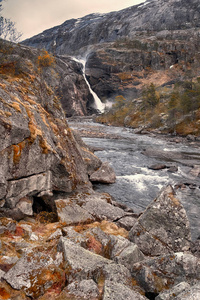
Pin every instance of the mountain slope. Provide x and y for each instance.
(157, 42)
(155, 15)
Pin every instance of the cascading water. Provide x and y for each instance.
(98, 105)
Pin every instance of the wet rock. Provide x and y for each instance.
(191, 137)
(163, 227)
(157, 167)
(162, 273)
(105, 174)
(117, 291)
(172, 169)
(71, 213)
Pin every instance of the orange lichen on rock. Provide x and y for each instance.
(16, 106)
(175, 201)
(4, 294)
(94, 245)
(44, 145)
(17, 151)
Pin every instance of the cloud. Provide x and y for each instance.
(34, 16)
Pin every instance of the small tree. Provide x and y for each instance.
(7, 29)
(150, 97)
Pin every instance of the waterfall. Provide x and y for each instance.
(97, 102)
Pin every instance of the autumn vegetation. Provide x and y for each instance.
(174, 109)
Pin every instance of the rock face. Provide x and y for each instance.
(38, 153)
(71, 88)
(163, 227)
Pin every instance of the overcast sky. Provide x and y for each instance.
(34, 16)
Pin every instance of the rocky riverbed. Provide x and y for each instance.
(97, 249)
(92, 247)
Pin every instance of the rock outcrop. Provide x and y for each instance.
(39, 155)
(152, 232)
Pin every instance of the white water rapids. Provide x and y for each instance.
(136, 184)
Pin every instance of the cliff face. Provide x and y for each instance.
(125, 48)
(38, 153)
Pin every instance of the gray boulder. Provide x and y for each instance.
(163, 272)
(93, 163)
(124, 252)
(105, 174)
(98, 205)
(80, 264)
(31, 271)
(163, 227)
(83, 207)
(127, 222)
(192, 293)
(71, 213)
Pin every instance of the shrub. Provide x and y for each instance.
(45, 60)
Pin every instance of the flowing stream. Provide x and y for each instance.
(131, 155)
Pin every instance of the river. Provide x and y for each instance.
(132, 154)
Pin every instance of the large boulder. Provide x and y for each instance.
(35, 272)
(163, 227)
(81, 264)
(83, 207)
(105, 174)
(71, 213)
(162, 273)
